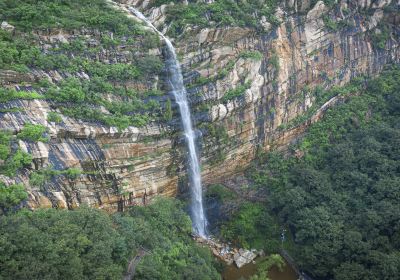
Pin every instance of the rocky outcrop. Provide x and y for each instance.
(229, 254)
(273, 73)
(307, 54)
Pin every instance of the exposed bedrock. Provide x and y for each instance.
(244, 87)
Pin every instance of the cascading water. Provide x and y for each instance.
(175, 80)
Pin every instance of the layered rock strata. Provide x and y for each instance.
(270, 76)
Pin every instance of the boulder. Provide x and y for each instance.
(244, 257)
(7, 27)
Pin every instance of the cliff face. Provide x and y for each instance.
(245, 87)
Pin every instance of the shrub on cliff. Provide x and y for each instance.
(33, 133)
(11, 196)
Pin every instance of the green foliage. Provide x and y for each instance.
(73, 14)
(72, 173)
(21, 51)
(322, 96)
(329, 23)
(51, 244)
(165, 230)
(5, 149)
(39, 177)
(220, 13)
(11, 195)
(150, 64)
(252, 227)
(15, 161)
(71, 90)
(255, 55)
(220, 192)
(90, 244)
(237, 92)
(12, 158)
(340, 200)
(380, 36)
(54, 117)
(266, 265)
(12, 94)
(33, 133)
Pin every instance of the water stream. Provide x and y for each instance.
(175, 81)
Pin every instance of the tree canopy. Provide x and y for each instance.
(86, 243)
(341, 199)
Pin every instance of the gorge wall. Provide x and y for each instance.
(245, 85)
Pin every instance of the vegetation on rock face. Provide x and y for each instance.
(237, 92)
(255, 55)
(12, 157)
(340, 198)
(90, 244)
(11, 196)
(219, 13)
(33, 133)
(54, 117)
(70, 15)
(89, 79)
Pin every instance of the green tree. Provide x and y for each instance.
(33, 133)
(11, 195)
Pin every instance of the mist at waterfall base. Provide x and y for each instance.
(177, 87)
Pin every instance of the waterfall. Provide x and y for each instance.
(175, 80)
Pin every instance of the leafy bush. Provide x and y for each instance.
(12, 94)
(72, 173)
(150, 64)
(5, 149)
(11, 195)
(15, 161)
(255, 55)
(54, 117)
(38, 179)
(237, 92)
(33, 133)
(220, 192)
(329, 23)
(252, 227)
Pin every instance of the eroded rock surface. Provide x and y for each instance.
(128, 167)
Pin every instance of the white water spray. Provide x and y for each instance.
(175, 80)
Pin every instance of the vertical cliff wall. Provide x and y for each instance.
(246, 87)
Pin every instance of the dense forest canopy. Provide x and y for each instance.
(91, 244)
(340, 200)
